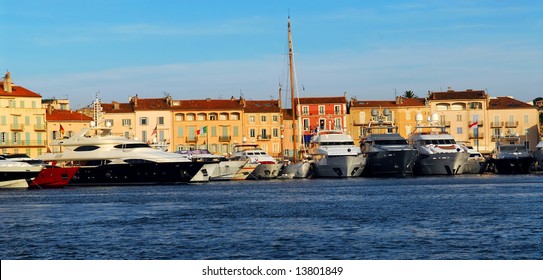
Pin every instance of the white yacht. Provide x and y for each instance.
(387, 152)
(267, 168)
(105, 159)
(438, 152)
(17, 172)
(476, 163)
(335, 155)
(217, 167)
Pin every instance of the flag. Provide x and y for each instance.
(61, 130)
(202, 130)
(473, 124)
(154, 131)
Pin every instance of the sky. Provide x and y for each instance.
(371, 50)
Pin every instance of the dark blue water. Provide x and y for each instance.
(463, 217)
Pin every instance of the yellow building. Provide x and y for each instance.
(22, 120)
(62, 124)
(213, 124)
(402, 114)
(510, 117)
(262, 125)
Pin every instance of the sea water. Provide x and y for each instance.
(452, 217)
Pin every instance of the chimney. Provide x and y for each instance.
(49, 109)
(7, 83)
(116, 105)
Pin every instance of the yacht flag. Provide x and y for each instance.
(473, 124)
(61, 130)
(154, 131)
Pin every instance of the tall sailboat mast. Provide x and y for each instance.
(293, 92)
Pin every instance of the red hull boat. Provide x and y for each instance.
(53, 177)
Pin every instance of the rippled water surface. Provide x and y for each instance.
(463, 217)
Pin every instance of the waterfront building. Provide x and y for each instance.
(262, 125)
(213, 124)
(63, 124)
(22, 120)
(321, 113)
(402, 113)
(465, 115)
(122, 118)
(513, 118)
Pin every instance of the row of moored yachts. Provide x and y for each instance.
(95, 157)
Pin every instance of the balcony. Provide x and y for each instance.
(511, 124)
(17, 127)
(478, 136)
(479, 123)
(496, 124)
(21, 144)
(190, 139)
(264, 137)
(445, 123)
(225, 138)
(40, 127)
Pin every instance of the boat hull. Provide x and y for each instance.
(19, 177)
(266, 171)
(148, 173)
(520, 165)
(53, 177)
(204, 174)
(298, 170)
(474, 167)
(440, 164)
(245, 171)
(339, 166)
(226, 170)
(390, 163)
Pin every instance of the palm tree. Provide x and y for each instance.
(409, 94)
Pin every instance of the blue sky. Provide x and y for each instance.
(218, 49)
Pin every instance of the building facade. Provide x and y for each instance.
(22, 120)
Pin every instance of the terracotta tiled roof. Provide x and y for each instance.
(262, 106)
(17, 91)
(116, 107)
(66, 115)
(321, 100)
(406, 102)
(148, 104)
(508, 103)
(451, 94)
(208, 104)
(287, 114)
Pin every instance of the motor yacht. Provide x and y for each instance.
(387, 152)
(335, 155)
(438, 152)
(510, 157)
(267, 166)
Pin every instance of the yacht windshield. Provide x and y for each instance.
(132, 146)
(391, 142)
(346, 143)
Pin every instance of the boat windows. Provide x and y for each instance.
(137, 161)
(439, 142)
(131, 146)
(86, 148)
(391, 142)
(347, 143)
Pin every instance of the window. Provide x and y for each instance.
(264, 133)
(4, 135)
(234, 116)
(191, 117)
(305, 110)
(337, 109)
(236, 131)
(442, 106)
(223, 116)
(458, 130)
(213, 131)
(407, 116)
(252, 132)
(458, 118)
(263, 119)
(3, 120)
(27, 120)
(179, 117)
(143, 121)
(180, 131)
(127, 122)
(33, 104)
(275, 118)
(526, 119)
(476, 105)
(306, 124)
(144, 136)
(160, 120)
(458, 106)
(213, 117)
(252, 119)
(321, 109)
(338, 124)
(275, 132)
(201, 117)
